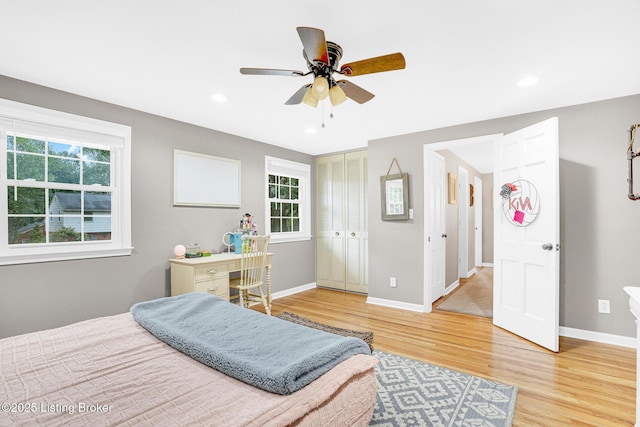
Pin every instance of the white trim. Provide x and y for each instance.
(600, 337)
(90, 132)
(452, 287)
(426, 153)
(581, 334)
(291, 291)
(395, 304)
(302, 171)
(487, 264)
(471, 272)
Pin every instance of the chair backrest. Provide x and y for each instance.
(253, 261)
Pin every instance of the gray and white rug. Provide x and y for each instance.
(413, 393)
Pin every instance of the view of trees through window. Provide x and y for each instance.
(283, 199)
(58, 191)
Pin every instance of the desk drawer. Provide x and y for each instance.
(217, 287)
(211, 272)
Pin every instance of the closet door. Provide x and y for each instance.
(330, 245)
(357, 233)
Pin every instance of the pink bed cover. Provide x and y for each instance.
(110, 371)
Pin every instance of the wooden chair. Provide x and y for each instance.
(252, 266)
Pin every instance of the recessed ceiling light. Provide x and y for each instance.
(218, 97)
(310, 131)
(528, 81)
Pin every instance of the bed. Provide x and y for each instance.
(113, 371)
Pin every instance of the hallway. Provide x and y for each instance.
(473, 296)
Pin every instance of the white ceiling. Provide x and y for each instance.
(464, 58)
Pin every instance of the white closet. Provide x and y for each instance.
(342, 225)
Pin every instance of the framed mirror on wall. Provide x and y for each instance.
(394, 194)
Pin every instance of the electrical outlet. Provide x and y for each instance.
(392, 282)
(603, 306)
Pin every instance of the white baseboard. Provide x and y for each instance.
(452, 287)
(471, 272)
(292, 291)
(564, 331)
(598, 337)
(487, 264)
(395, 304)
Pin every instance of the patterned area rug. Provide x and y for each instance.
(413, 393)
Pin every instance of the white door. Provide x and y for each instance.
(477, 204)
(438, 229)
(330, 246)
(526, 234)
(463, 223)
(356, 219)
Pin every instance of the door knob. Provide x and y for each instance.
(337, 234)
(353, 234)
(444, 236)
(547, 246)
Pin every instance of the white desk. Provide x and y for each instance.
(209, 274)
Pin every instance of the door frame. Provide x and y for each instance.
(428, 148)
(477, 204)
(463, 223)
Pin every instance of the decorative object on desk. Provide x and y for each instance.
(411, 392)
(179, 251)
(193, 251)
(248, 226)
(233, 238)
(394, 194)
(205, 252)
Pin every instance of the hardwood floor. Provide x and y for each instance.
(585, 384)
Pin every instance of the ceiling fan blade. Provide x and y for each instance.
(297, 97)
(315, 45)
(355, 92)
(394, 61)
(271, 72)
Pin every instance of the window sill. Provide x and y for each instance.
(63, 256)
(286, 239)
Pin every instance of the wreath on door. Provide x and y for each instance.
(520, 202)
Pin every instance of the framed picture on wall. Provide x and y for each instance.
(453, 188)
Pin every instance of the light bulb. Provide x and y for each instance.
(309, 99)
(320, 88)
(337, 95)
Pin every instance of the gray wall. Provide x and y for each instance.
(600, 227)
(46, 295)
(487, 218)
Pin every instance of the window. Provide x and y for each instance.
(288, 206)
(64, 186)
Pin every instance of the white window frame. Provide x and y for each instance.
(302, 171)
(119, 141)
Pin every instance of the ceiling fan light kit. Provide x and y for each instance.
(322, 58)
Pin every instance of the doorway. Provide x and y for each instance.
(526, 252)
(467, 274)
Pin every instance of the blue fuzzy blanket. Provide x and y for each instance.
(266, 352)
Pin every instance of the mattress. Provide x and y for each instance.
(111, 371)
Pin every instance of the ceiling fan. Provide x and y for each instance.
(322, 59)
